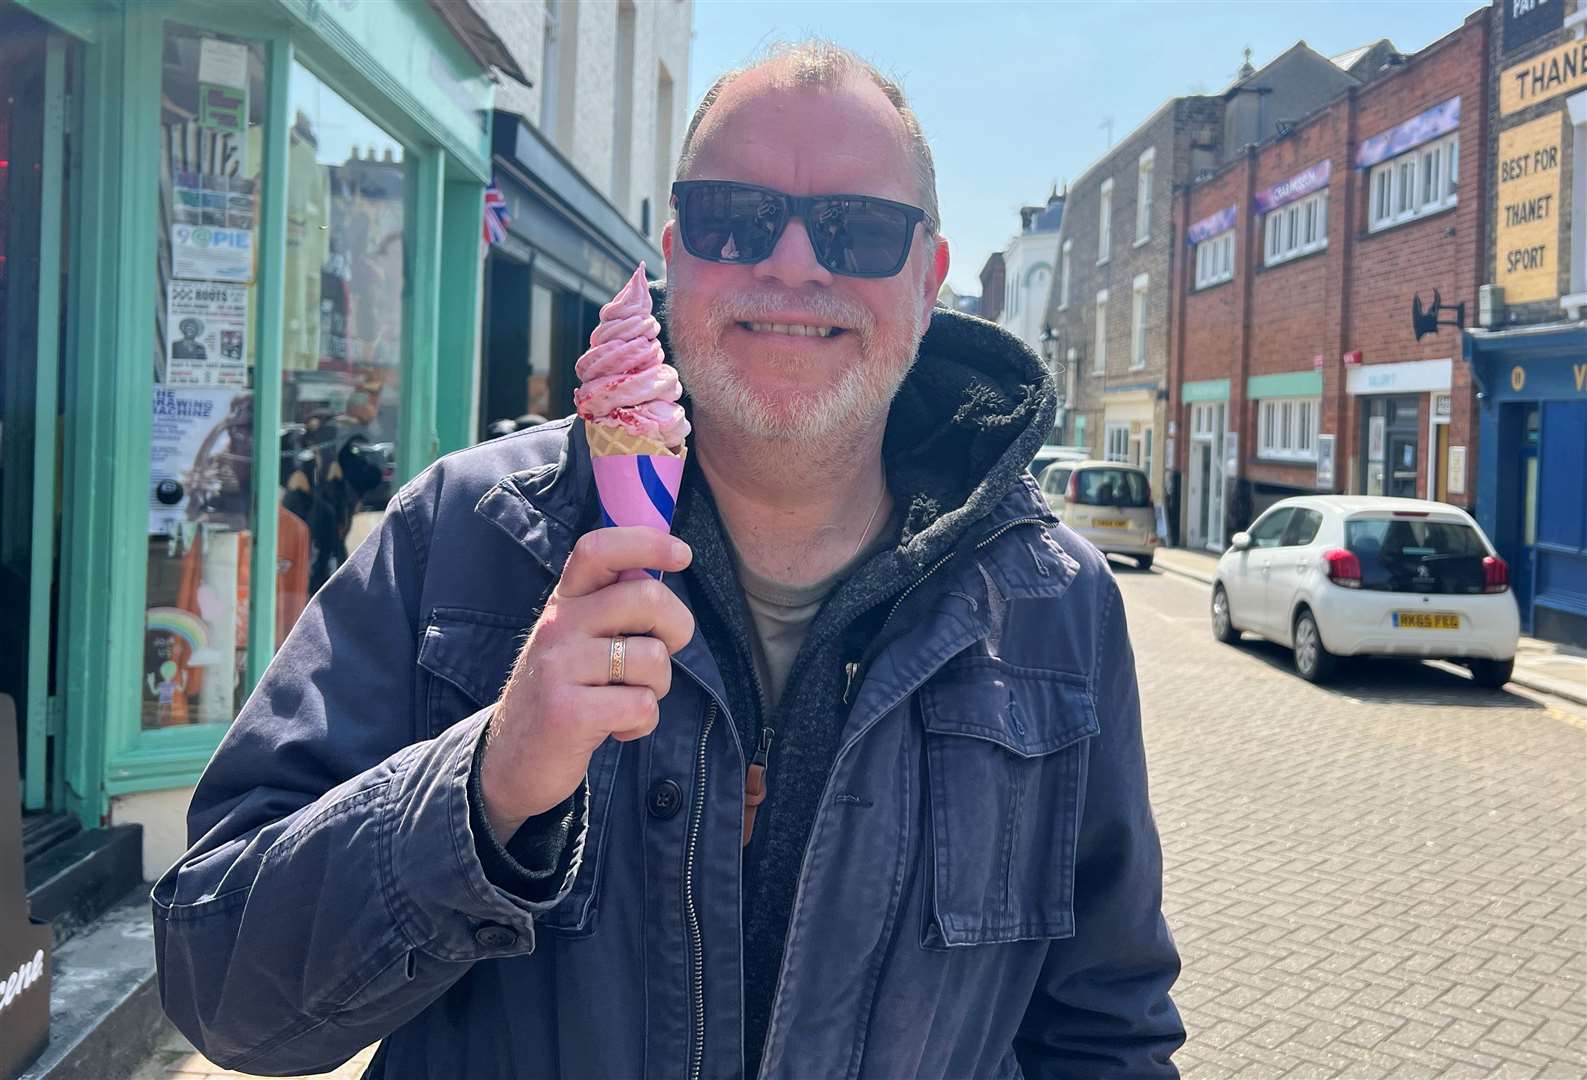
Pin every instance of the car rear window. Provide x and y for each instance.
(1112, 487)
(1401, 555)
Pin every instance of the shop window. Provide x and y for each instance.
(201, 460)
(1215, 259)
(343, 340)
(1419, 182)
(1297, 229)
(1287, 429)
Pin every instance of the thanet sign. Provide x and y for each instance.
(1557, 71)
(1527, 226)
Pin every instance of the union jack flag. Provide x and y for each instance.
(496, 216)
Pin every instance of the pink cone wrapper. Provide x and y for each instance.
(638, 489)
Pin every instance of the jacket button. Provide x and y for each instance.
(496, 937)
(665, 799)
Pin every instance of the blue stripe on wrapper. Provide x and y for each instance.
(606, 520)
(660, 497)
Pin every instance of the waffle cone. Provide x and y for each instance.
(608, 441)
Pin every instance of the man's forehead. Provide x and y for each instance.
(806, 139)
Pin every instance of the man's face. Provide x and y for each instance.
(802, 141)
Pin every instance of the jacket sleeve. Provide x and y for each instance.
(333, 888)
(1101, 1007)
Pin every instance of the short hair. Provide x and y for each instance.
(818, 62)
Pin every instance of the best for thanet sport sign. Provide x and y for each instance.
(1557, 71)
(1527, 226)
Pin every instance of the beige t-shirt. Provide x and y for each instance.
(781, 614)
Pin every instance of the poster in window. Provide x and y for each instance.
(200, 441)
(1456, 484)
(209, 321)
(211, 254)
(1375, 432)
(1231, 453)
(1325, 462)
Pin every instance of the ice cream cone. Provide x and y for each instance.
(608, 441)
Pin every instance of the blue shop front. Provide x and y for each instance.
(1532, 468)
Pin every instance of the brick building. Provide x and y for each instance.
(1296, 364)
(1110, 305)
(1528, 352)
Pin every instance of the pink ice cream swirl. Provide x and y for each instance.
(625, 380)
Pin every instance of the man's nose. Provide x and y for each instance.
(793, 261)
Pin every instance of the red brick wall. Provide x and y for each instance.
(1212, 315)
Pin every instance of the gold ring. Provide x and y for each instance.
(614, 670)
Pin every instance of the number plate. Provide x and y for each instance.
(1109, 523)
(1427, 620)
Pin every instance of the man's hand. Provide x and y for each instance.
(558, 706)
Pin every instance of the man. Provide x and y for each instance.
(889, 817)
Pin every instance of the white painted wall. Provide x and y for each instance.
(663, 31)
(1030, 265)
(163, 815)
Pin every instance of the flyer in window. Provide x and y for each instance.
(211, 253)
(207, 326)
(198, 443)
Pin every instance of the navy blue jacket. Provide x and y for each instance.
(980, 895)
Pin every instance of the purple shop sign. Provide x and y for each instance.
(1424, 127)
(1312, 178)
(1211, 225)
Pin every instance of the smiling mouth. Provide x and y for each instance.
(793, 329)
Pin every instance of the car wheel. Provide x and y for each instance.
(1222, 623)
(1143, 561)
(1312, 660)
(1491, 673)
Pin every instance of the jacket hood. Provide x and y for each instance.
(964, 427)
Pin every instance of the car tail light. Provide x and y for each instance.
(1072, 494)
(1343, 567)
(1495, 574)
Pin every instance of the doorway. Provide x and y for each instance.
(1206, 475)
(1391, 438)
(35, 68)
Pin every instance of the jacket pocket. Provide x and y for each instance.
(467, 656)
(1006, 751)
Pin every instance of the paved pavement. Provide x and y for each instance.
(1383, 877)
(175, 1059)
(1386, 877)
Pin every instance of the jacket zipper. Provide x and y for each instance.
(696, 940)
(853, 669)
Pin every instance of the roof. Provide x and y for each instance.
(477, 36)
(1355, 504)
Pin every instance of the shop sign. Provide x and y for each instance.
(1424, 127)
(1313, 178)
(211, 253)
(1548, 74)
(206, 331)
(1527, 20)
(1527, 227)
(1212, 225)
(24, 944)
(1542, 380)
(1456, 482)
(1325, 462)
(1408, 377)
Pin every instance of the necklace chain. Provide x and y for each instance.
(865, 532)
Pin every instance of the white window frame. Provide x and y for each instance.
(1063, 275)
(1286, 428)
(1099, 351)
(1105, 222)
(1143, 195)
(1215, 260)
(1138, 315)
(1116, 442)
(1424, 180)
(1295, 229)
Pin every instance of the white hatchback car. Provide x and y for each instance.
(1107, 502)
(1361, 575)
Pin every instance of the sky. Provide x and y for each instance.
(1014, 96)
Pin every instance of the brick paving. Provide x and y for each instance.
(1382, 877)
(175, 1059)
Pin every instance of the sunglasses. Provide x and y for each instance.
(739, 224)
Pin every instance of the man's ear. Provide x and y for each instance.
(666, 243)
(936, 274)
